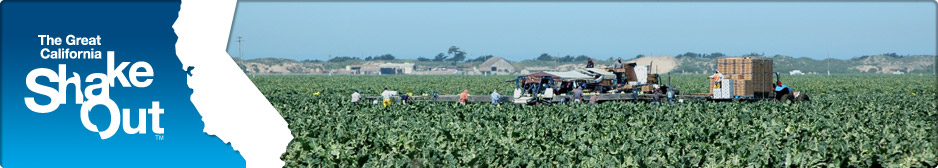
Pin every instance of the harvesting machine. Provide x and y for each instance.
(747, 79)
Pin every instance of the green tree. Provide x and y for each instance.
(440, 57)
(386, 57)
(894, 55)
(717, 55)
(342, 59)
(458, 55)
(480, 58)
(753, 54)
(567, 58)
(581, 58)
(689, 54)
(545, 57)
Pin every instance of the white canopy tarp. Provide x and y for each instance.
(571, 75)
(583, 74)
(606, 74)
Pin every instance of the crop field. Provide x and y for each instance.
(852, 121)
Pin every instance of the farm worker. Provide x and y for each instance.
(464, 97)
(495, 97)
(404, 98)
(387, 94)
(589, 63)
(566, 97)
(717, 77)
(594, 99)
(578, 95)
(356, 97)
(618, 65)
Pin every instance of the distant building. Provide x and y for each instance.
(898, 73)
(397, 68)
(496, 66)
(363, 69)
(795, 72)
(378, 69)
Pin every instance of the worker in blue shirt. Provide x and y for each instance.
(404, 98)
(578, 95)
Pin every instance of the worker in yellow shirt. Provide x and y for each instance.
(387, 94)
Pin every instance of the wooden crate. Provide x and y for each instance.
(746, 68)
(764, 76)
(752, 88)
(747, 88)
(743, 87)
(652, 79)
(648, 89)
(629, 70)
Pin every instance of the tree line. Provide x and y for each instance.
(455, 54)
(567, 58)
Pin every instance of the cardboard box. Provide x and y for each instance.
(648, 89)
(726, 90)
(752, 88)
(748, 67)
(652, 79)
(751, 75)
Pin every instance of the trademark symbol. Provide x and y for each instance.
(159, 137)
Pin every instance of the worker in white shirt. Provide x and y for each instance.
(387, 94)
(356, 97)
(717, 77)
(495, 96)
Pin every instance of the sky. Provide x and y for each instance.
(524, 30)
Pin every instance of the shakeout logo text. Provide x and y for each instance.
(140, 75)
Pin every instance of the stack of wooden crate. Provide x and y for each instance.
(751, 76)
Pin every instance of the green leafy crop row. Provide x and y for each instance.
(852, 120)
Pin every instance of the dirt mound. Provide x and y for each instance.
(659, 64)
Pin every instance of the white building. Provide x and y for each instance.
(397, 68)
(496, 65)
(795, 72)
(362, 69)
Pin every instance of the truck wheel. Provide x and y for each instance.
(803, 97)
(786, 97)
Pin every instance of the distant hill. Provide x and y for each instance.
(279, 66)
(864, 64)
(888, 64)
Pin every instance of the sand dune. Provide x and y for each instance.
(659, 64)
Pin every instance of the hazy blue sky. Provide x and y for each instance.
(524, 30)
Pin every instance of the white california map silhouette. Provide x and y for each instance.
(222, 93)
